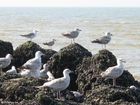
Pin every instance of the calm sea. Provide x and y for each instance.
(123, 23)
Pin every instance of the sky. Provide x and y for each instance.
(69, 3)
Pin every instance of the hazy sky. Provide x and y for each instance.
(71, 3)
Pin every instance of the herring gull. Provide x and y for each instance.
(12, 70)
(104, 39)
(30, 35)
(72, 34)
(5, 61)
(77, 94)
(114, 72)
(29, 73)
(26, 73)
(34, 63)
(44, 73)
(58, 84)
(51, 43)
(50, 76)
(133, 87)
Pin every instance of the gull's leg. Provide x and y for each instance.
(102, 46)
(58, 95)
(0, 71)
(73, 40)
(105, 46)
(51, 47)
(114, 81)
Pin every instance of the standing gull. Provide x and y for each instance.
(114, 72)
(34, 63)
(30, 35)
(58, 84)
(51, 43)
(104, 39)
(5, 61)
(12, 70)
(72, 34)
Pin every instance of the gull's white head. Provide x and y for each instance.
(78, 30)
(9, 56)
(120, 60)
(45, 66)
(67, 71)
(54, 40)
(38, 53)
(108, 34)
(13, 68)
(35, 31)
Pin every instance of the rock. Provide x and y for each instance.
(5, 48)
(15, 88)
(92, 66)
(68, 57)
(27, 51)
(97, 90)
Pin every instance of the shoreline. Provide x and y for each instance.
(137, 77)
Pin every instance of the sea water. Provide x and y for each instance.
(123, 23)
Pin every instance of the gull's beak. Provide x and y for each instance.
(11, 57)
(123, 61)
(71, 72)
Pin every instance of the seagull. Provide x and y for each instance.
(133, 87)
(114, 72)
(77, 94)
(72, 34)
(29, 73)
(12, 70)
(51, 43)
(26, 73)
(50, 76)
(35, 73)
(34, 63)
(58, 84)
(104, 39)
(30, 35)
(45, 73)
(5, 61)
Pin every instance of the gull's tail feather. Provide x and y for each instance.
(39, 87)
(95, 41)
(45, 43)
(65, 34)
(23, 35)
(99, 76)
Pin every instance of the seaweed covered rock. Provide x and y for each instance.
(5, 48)
(91, 67)
(105, 95)
(27, 51)
(68, 57)
(23, 91)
